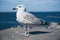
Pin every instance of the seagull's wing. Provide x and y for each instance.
(32, 18)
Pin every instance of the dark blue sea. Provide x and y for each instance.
(8, 19)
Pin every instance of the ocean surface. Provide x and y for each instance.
(8, 19)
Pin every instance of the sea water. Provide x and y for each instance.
(8, 19)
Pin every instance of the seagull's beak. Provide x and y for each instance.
(14, 8)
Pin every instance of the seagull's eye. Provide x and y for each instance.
(19, 6)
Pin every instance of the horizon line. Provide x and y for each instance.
(32, 11)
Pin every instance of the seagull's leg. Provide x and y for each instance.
(24, 29)
(27, 31)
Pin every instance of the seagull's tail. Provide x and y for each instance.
(43, 22)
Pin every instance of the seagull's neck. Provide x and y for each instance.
(21, 11)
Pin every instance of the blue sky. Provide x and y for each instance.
(31, 5)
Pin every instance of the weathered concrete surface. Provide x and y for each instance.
(37, 33)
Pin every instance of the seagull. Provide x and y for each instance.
(26, 18)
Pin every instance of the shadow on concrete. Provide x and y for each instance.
(38, 32)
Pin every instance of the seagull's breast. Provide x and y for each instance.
(19, 17)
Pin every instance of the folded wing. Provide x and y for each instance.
(33, 19)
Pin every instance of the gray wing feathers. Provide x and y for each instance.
(33, 19)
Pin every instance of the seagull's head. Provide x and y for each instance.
(20, 7)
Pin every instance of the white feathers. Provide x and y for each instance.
(25, 17)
